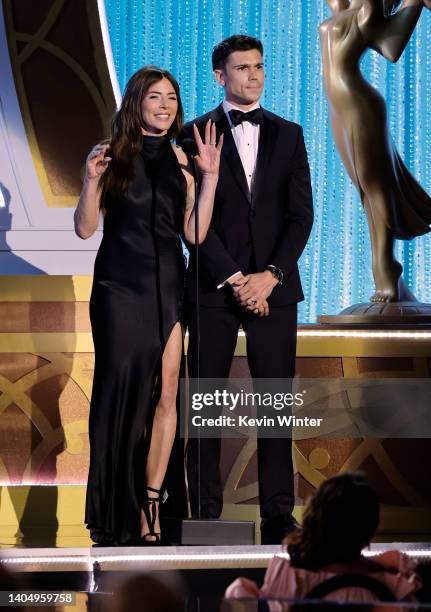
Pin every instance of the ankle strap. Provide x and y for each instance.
(159, 492)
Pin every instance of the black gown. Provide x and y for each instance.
(135, 302)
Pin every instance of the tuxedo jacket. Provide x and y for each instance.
(251, 229)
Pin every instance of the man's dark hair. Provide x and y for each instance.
(237, 42)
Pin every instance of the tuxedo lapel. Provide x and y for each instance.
(230, 152)
(267, 138)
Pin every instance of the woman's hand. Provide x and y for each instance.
(208, 159)
(97, 163)
(260, 308)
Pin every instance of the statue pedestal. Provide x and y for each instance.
(378, 313)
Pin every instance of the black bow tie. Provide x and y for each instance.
(254, 116)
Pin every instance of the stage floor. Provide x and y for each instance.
(167, 557)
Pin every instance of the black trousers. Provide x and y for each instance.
(271, 351)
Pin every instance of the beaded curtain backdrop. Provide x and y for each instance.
(180, 35)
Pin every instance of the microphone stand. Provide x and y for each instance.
(190, 147)
(198, 327)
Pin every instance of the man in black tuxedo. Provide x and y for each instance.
(248, 268)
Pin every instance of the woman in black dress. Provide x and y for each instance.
(145, 190)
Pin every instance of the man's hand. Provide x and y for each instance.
(255, 289)
(260, 306)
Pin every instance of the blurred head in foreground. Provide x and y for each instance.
(339, 520)
(148, 593)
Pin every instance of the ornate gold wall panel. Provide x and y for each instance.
(63, 85)
(44, 412)
(46, 368)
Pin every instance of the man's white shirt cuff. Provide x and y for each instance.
(228, 279)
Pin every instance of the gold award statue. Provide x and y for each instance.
(395, 204)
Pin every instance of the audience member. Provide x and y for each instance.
(326, 559)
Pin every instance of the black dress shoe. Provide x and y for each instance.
(273, 530)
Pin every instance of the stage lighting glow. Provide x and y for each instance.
(139, 557)
(178, 556)
(27, 483)
(84, 559)
(344, 333)
(349, 333)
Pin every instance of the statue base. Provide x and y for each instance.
(377, 313)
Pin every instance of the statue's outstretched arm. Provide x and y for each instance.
(390, 35)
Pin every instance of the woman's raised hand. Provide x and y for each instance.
(208, 158)
(97, 163)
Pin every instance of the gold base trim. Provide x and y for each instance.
(81, 342)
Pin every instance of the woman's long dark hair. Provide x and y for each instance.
(339, 520)
(126, 130)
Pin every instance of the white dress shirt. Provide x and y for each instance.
(246, 138)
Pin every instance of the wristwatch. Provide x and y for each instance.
(277, 273)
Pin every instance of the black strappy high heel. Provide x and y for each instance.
(150, 510)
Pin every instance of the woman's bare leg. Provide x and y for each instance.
(164, 422)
